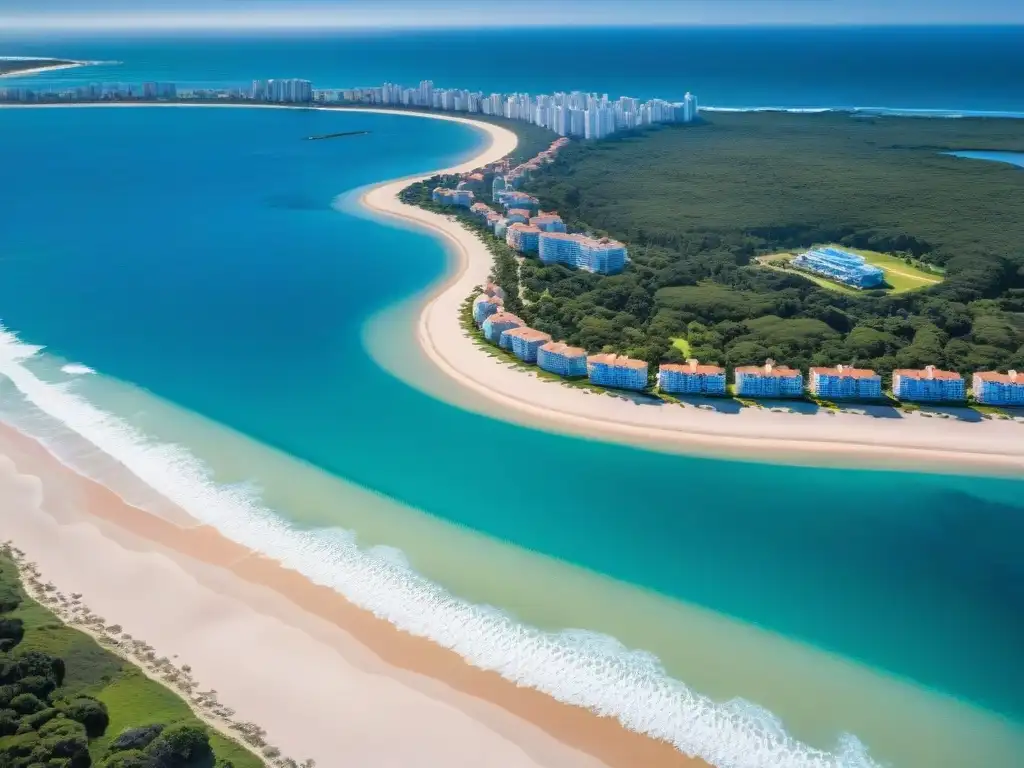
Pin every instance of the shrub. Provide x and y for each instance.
(130, 758)
(37, 685)
(26, 704)
(8, 721)
(178, 746)
(11, 633)
(87, 711)
(136, 738)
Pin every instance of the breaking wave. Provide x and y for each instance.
(577, 667)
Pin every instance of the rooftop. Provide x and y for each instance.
(504, 317)
(618, 361)
(846, 372)
(691, 367)
(520, 211)
(529, 334)
(1011, 377)
(928, 372)
(769, 369)
(561, 348)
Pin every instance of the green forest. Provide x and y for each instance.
(696, 204)
(65, 702)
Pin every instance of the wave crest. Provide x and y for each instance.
(576, 667)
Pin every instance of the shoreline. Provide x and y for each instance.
(50, 68)
(99, 538)
(883, 442)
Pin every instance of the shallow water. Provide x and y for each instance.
(211, 271)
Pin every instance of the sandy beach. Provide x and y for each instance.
(327, 680)
(50, 68)
(875, 436)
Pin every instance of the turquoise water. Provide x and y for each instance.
(1011, 158)
(199, 255)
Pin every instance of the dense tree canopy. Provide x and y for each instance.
(696, 204)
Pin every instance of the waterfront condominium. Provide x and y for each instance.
(461, 197)
(484, 306)
(518, 216)
(768, 380)
(524, 342)
(496, 325)
(928, 384)
(603, 256)
(841, 266)
(510, 198)
(547, 221)
(994, 388)
(844, 382)
(522, 238)
(559, 358)
(617, 371)
(691, 378)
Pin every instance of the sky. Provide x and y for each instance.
(155, 15)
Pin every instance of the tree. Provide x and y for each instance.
(178, 746)
(136, 738)
(39, 663)
(26, 704)
(11, 633)
(89, 712)
(130, 758)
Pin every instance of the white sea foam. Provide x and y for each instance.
(575, 667)
(77, 369)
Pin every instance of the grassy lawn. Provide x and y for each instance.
(682, 345)
(899, 276)
(132, 699)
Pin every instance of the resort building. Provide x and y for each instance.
(518, 216)
(769, 380)
(493, 289)
(501, 227)
(484, 306)
(460, 197)
(513, 199)
(617, 371)
(691, 378)
(548, 222)
(841, 266)
(994, 388)
(497, 186)
(524, 342)
(473, 181)
(559, 358)
(522, 238)
(480, 210)
(928, 384)
(496, 325)
(843, 382)
(604, 256)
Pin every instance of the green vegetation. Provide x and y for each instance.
(67, 702)
(696, 205)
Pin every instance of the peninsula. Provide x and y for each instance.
(20, 67)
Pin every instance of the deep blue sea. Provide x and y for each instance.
(199, 261)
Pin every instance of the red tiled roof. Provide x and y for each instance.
(845, 372)
(691, 369)
(529, 334)
(1001, 378)
(505, 317)
(924, 373)
(616, 360)
(777, 371)
(561, 348)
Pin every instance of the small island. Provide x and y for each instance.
(15, 67)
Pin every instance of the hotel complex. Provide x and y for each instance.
(691, 379)
(559, 358)
(617, 371)
(994, 388)
(841, 266)
(843, 383)
(928, 384)
(603, 256)
(768, 380)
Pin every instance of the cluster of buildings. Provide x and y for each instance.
(524, 226)
(584, 115)
(842, 266)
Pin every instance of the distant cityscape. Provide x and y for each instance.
(578, 114)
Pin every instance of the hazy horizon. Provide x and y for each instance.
(25, 16)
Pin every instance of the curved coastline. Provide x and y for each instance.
(885, 442)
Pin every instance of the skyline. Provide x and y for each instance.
(25, 16)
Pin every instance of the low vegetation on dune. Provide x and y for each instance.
(67, 701)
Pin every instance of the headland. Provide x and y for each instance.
(27, 67)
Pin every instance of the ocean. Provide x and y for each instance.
(213, 314)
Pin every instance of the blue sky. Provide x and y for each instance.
(28, 15)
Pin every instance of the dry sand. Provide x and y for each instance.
(50, 68)
(882, 436)
(326, 679)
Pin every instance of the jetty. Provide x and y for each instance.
(321, 137)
